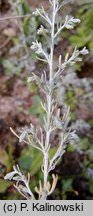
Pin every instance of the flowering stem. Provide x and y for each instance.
(49, 104)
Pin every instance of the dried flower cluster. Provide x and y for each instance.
(41, 138)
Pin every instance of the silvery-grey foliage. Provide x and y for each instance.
(22, 183)
(53, 121)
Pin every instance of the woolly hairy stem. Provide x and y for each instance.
(49, 104)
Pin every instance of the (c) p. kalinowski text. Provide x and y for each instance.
(50, 207)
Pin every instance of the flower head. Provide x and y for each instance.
(84, 51)
(70, 24)
(37, 47)
(41, 30)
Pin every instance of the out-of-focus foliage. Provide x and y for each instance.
(84, 32)
(4, 185)
(31, 160)
(37, 110)
(24, 34)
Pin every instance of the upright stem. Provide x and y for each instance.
(49, 104)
